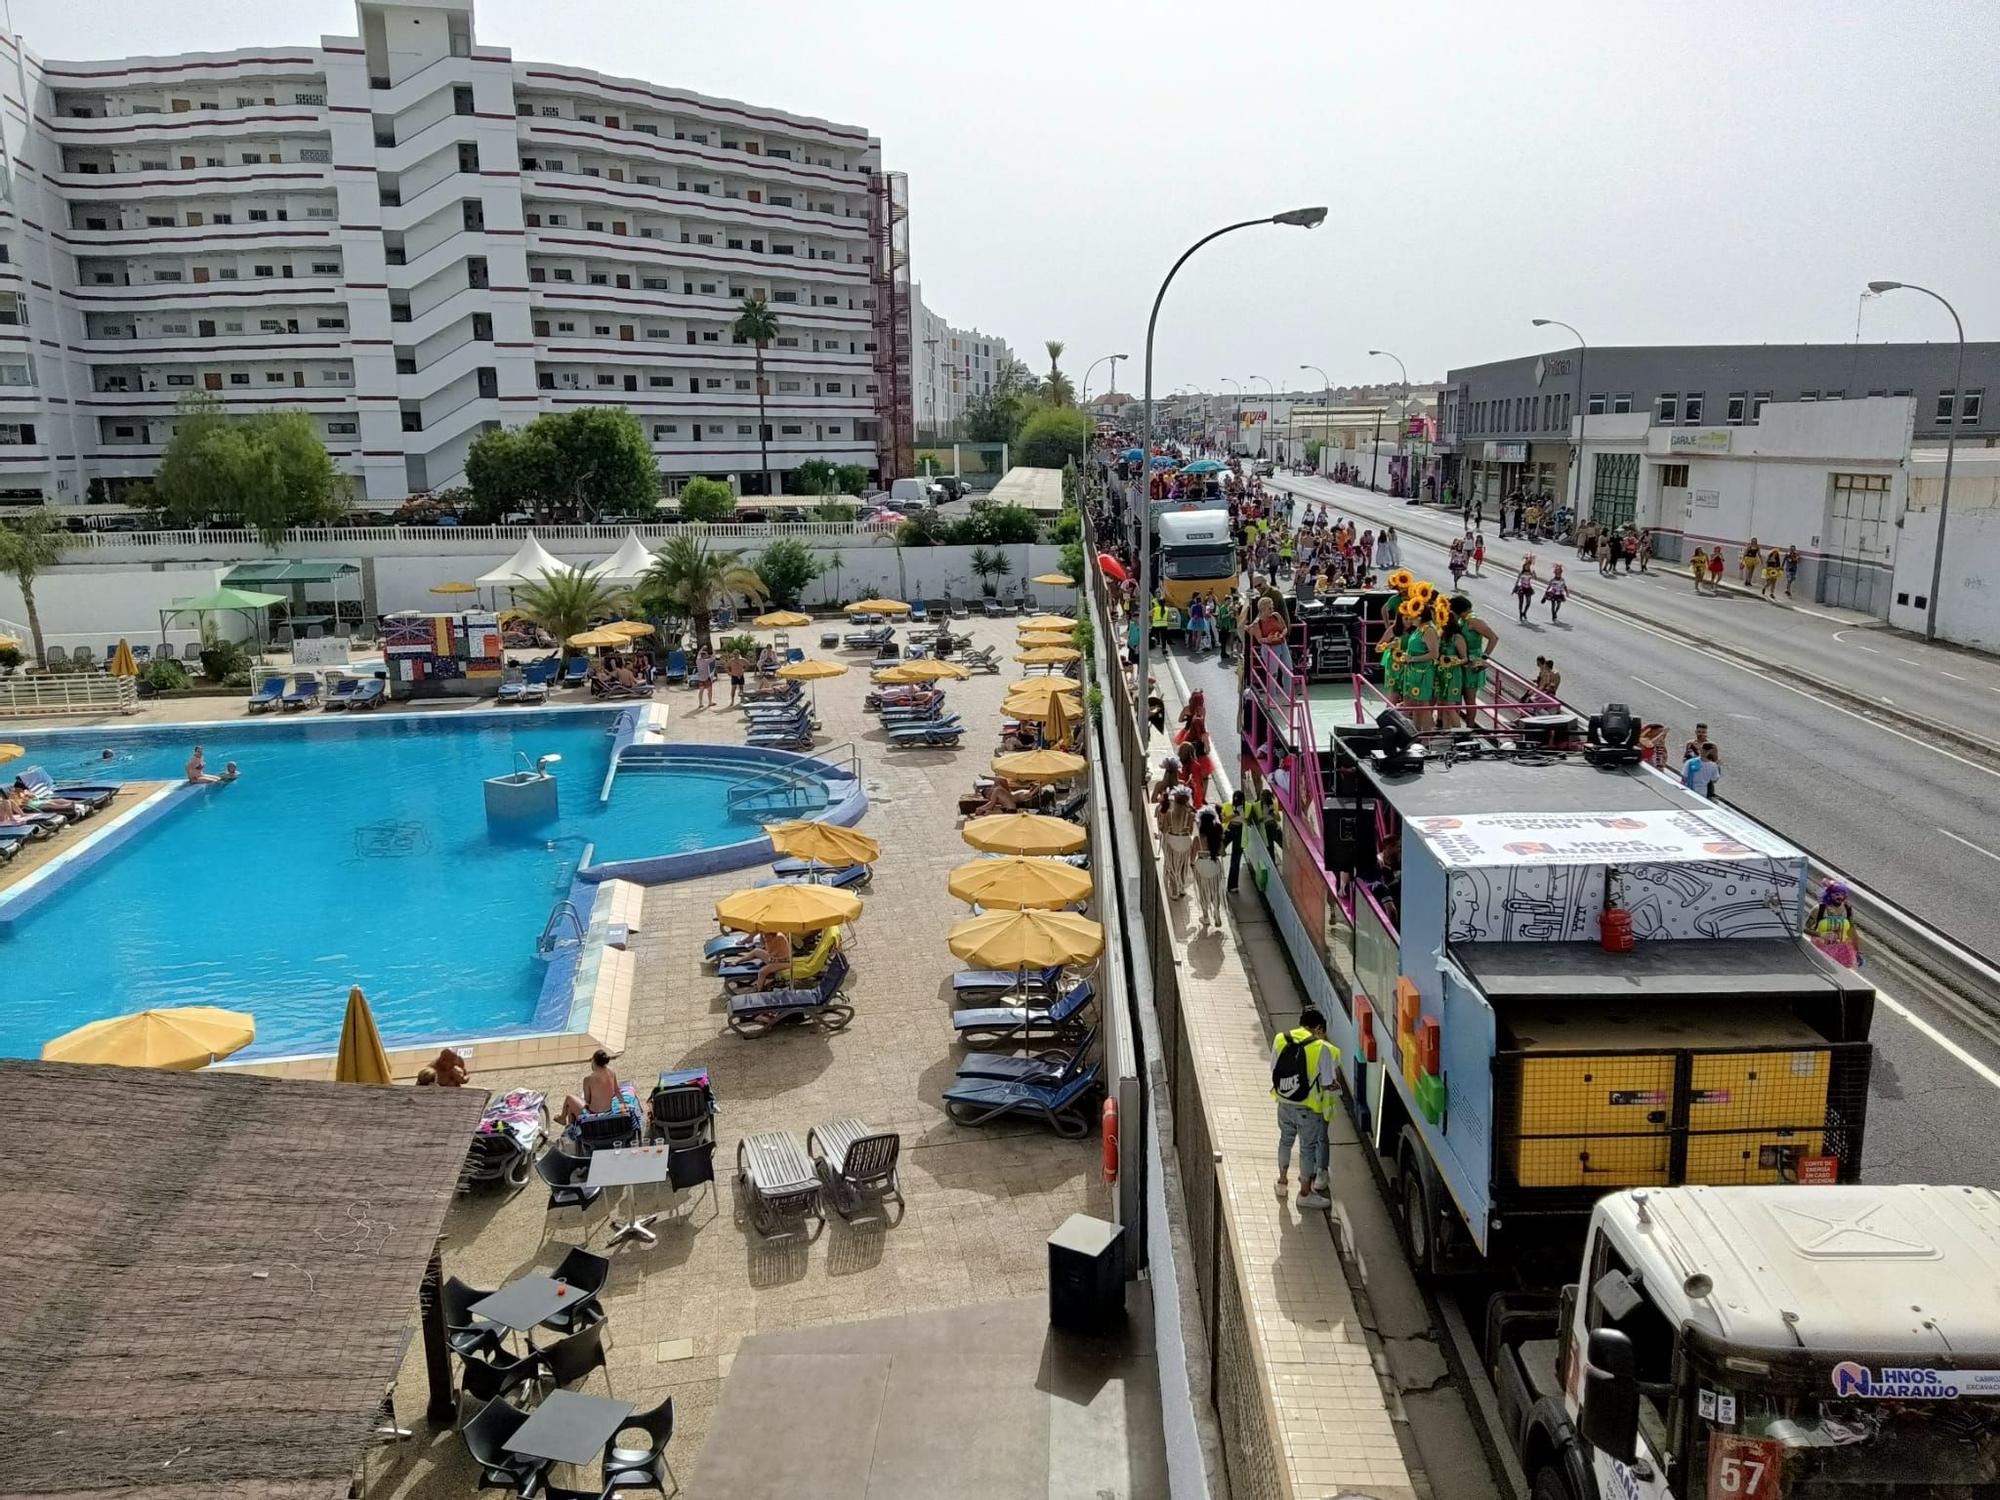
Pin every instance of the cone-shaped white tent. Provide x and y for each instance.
(526, 566)
(628, 564)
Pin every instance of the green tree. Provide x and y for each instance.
(850, 479)
(925, 529)
(1072, 561)
(686, 578)
(269, 472)
(1058, 389)
(28, 547)
(757, 324)
(1052, 437)
(997, 416)
(816, 476)
(835, 510)
(1067, 526)
(594, 460)
(565, 603)
(498, 467)
(989, 568)
(786, 567)
(704, 499)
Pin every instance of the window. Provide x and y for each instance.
(606, 378)
(734, 245)
(1691, 406)
(1969, 407)
(335, 427)
(744, 429)
(565, 327)
(330, 322)
(1733, 411)
(712, 384)
(708, 289)
(1833, 396)
(665, 430)
(712, 336)
(660, 382)
(1946, 401)
(16, 375)
(182, 379)
(1814, 396)
(1621, 403)
(1673, 476)
(1614, 488)
(335, 377)
(239, 377)
(834, 429)
(274, 377)
(1757, 406)
(159, 221)
(16, 434)
(742, 385)
(1594, 407)
(265, 270)
(791, 429)
(600, 330)
(787, 387)
(308, 98)
(1667, 411)
(833, 387)
(166, 276)
(326, 268)
(228, 273)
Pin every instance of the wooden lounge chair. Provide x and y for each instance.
(775, 1181)
(855, 1162)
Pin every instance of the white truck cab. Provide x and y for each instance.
(1765, 1343)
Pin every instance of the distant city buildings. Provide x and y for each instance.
(953, 368)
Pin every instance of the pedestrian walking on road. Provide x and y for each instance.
(1702, 772)
(1791, 569)
(1305, 1067)
(1698, 566)
(1645, 547)
(1208, 840)
(1177, 834)
(1555, 593)
(1479, 554)
(1774, 567)
(1524, 588)
(1831, 926)
(1234, 815)
(1753, 557)
(1715, 570)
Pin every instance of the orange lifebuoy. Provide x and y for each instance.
(1110, 1140)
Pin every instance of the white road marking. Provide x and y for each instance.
(1952, 675)
(1943, 1041)
(1870, 650)
(1749, 718)
(1975, 848)
(1908, 663)
(1664, 693)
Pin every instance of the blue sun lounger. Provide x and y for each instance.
(578, 671)
(1063, 1103)
(805, 869)
(92, 795)
(981, 981)
(761, 1012)
(266, 696)
(1008, 1067)
(1059, 1020)
(343, 693)
(370, 694)
(304, 691)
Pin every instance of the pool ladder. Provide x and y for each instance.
(551, 938)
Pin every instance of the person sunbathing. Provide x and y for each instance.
(1000, 798)
(601, 1091)
(59, 806)
(450, 1069)
(773, 957)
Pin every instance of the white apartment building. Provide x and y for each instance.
(954, 367)
(414, 237)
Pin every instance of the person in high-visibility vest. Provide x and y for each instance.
(1304, 1067)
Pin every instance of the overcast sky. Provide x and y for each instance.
(1683, 173)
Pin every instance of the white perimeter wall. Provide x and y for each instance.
(1969, 592)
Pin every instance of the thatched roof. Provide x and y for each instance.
(206, 1278)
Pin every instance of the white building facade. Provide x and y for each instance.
(414, 237)
(954, 367)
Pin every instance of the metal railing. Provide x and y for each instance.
(611, 532)
(50, 694)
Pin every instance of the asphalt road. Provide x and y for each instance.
(1870, 800)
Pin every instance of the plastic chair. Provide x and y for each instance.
(585, 1274)
(572, 1359)
(461, 1331)
(559, 1170)
(486, 1439)
(642, 1468)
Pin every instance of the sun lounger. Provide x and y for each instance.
(1058, 1021)
(303, 692)
(682, 1109)
(342, 694)
(370, 694)
(612, 1129)
(1063, 1104)
(854, 1162)
(15, 836)
(792, 734)
(1042, 1067)
(578, 671)
(959, 611)
(717, 950)
(991, 609)
(1072, 810)
(806, 968)
(266, 696)
(985, 659)
(918, 611)
(677, 666)
(775, 1181)
(535, 680)
(940, 736)
(987, 981)
(804, 869)
(856, 640)
(92, 795)
(757, 1014)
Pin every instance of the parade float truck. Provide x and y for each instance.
(1604, 1073)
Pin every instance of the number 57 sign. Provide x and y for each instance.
(1744, 1468)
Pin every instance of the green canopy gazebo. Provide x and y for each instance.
(222, 600)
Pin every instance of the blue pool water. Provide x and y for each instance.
(350, 852)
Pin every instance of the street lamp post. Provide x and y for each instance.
(1582, 422)
(1402, 416)
(1303, 218)
(1084, 403)
(1225, 380)
(1950, 447)
(1326, 431)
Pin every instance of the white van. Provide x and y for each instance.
(923, 491)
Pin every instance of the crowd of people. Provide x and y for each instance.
(1760, 567)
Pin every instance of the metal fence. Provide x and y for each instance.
(48, 695)
(609, 535)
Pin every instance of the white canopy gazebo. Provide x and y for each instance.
(529, 565)
(628, 564)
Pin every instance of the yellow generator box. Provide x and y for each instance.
(1746, 1158)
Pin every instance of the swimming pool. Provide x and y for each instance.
(350, 852)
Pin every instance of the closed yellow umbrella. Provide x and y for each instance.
(790, 909)
(1055, 580)
(1038, 766)
(923, 669)
(1027, 939)
(183, 1039)
(589, 640)
(630, 629)
(1057, 718)
(878, 607)
(1018, 883)
(1046, 622)
(361, 1058)
(1048, 656)
(122, 663)
(782, 619)
(1033, 638)
(824, 843)
(812, 669)
(1023, 833)
(457, 586)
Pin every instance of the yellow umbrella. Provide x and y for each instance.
(1048, 655)
(10, 752)
(1015, 883)
(9, 640)
(456, 587)
(1062, 710)
(1055, 580)
(1021, 706)
(1045, 622)
(122, 663)
(824, 843)
(923, 669)
(1027, 939)
(1033, 638)
(1042, 687)
(361, 1058)
(791, 909)
(591, 639)
(1023, 833)
(812, 669)
(627, 628)
(183, 1039)
(1040, 765)
(878, 607)
(782, 619)
(513, 614)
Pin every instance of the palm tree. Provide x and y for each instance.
(686, 578)
(565, 603)
(757, 324)
(1058, 389)
(987, 567)
(30, 546)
